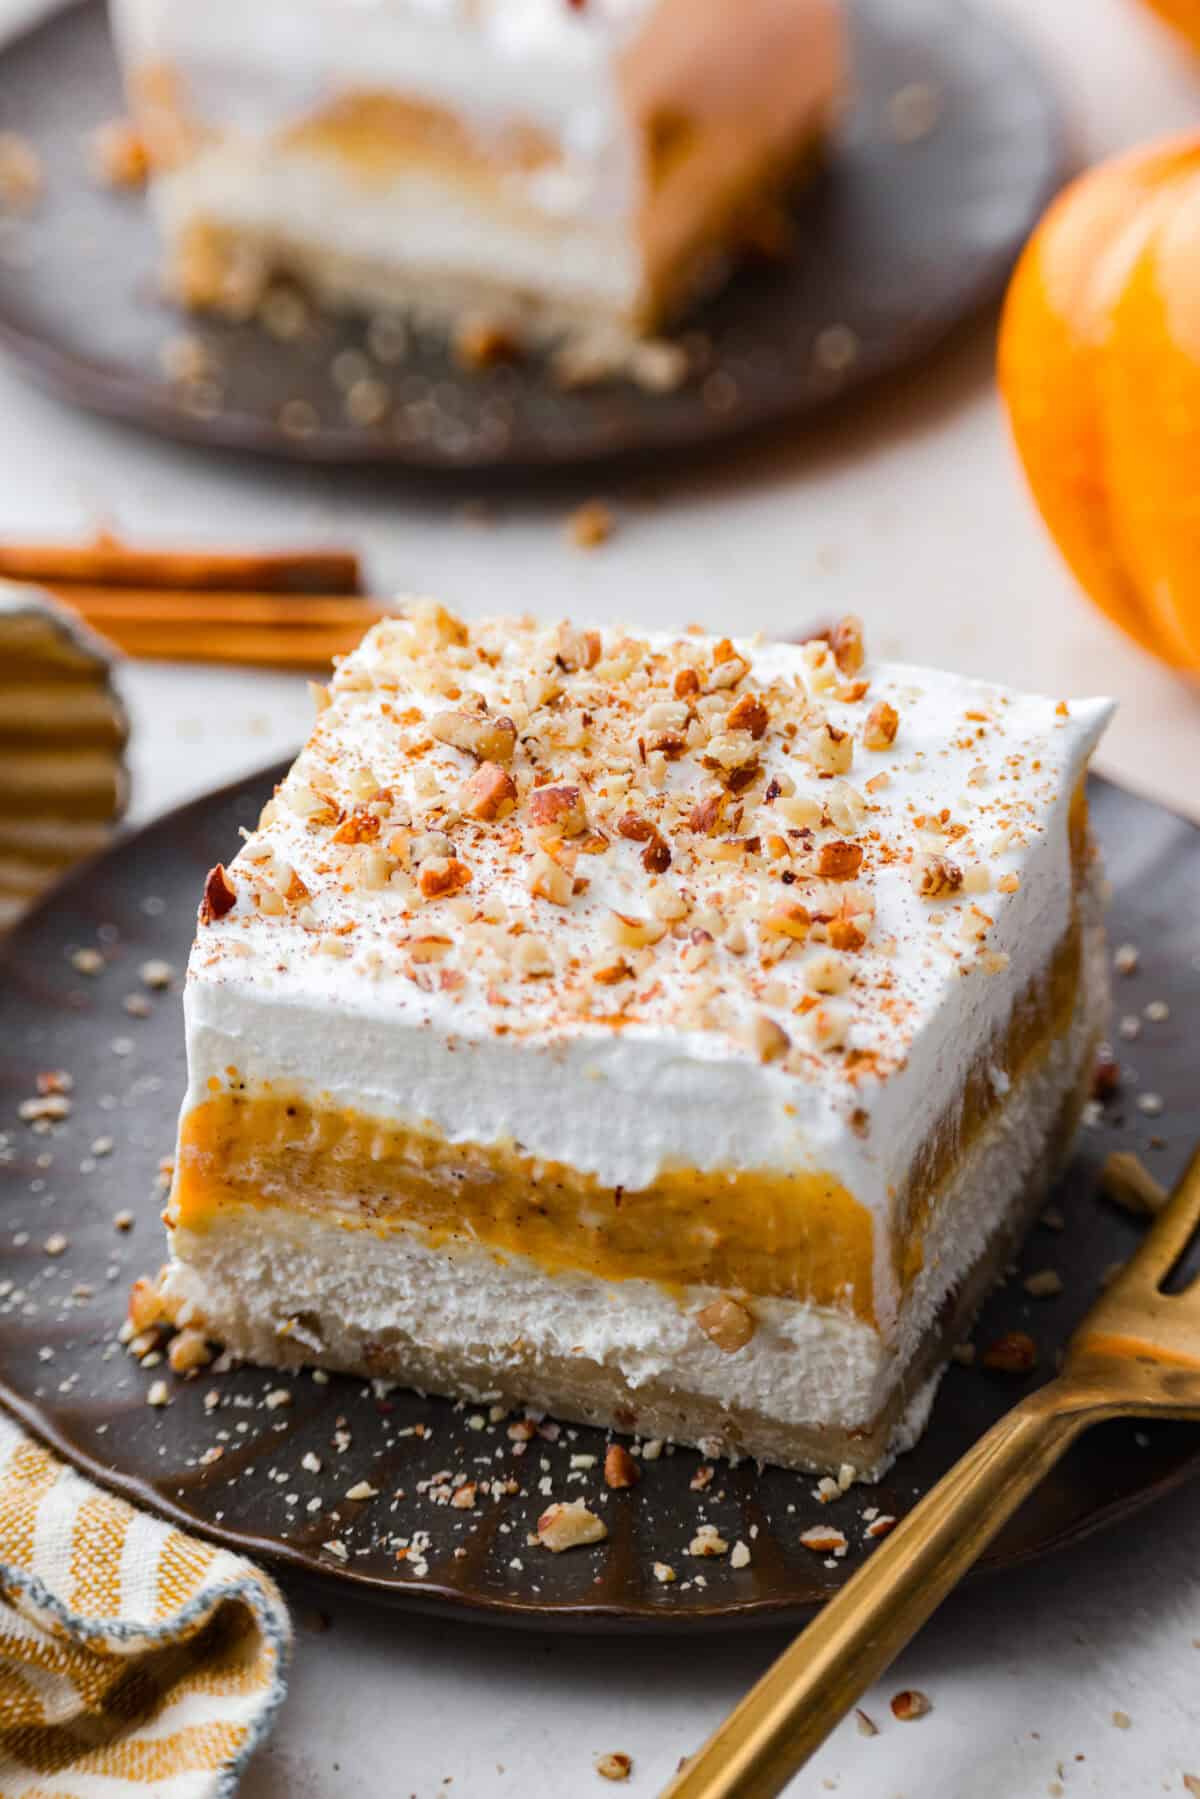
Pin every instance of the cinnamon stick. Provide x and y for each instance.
(110, 607)
(255, 646)
(108, 562)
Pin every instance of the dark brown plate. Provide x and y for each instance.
(63, 1376)
(899, 241)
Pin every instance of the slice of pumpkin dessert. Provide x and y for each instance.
(668, 1032)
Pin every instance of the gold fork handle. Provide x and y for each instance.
(858, 1634)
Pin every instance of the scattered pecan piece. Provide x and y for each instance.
(569, 1526)
(620, 1469)
(1106, 1074)
(1013, 1353)
(146, 1305)
(614, 1766)
(822, 1539)
(188, 1351)
(909, 1704)
(591, 525)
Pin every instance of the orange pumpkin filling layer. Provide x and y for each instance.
(799, 1236)
(795, 1235)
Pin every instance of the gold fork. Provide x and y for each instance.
(1136, 1354)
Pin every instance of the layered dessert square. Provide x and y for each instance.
(581, 160)
(667, 1032)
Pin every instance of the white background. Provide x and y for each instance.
(910, 511)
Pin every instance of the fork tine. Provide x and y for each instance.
(1172, 1230)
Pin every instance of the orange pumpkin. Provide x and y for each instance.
(1184, 15)
(1100, 368)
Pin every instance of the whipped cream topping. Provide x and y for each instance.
(639, 902)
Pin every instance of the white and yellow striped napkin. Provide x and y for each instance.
(134, 1660)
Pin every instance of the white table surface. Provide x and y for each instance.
(909, 510)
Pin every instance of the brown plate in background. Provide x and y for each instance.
(950, 152)
(63, 1375)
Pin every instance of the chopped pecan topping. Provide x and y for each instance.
(846, 643)
(550, 880)
(880, 726)
(832, 750)
(558, 807)
(656, 857)
(846, 934)
(490, 794)
(220, 895)
(788, 920)
(935, 876)
(839, 861)
(612, 974)
(705, 816)
(488, 739)
(635, 933)
(359, 826)
(749, 714)
(578, 649)
(443, 875)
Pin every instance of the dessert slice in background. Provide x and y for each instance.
(671, 1033)
(62, 740)
(561, 162)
